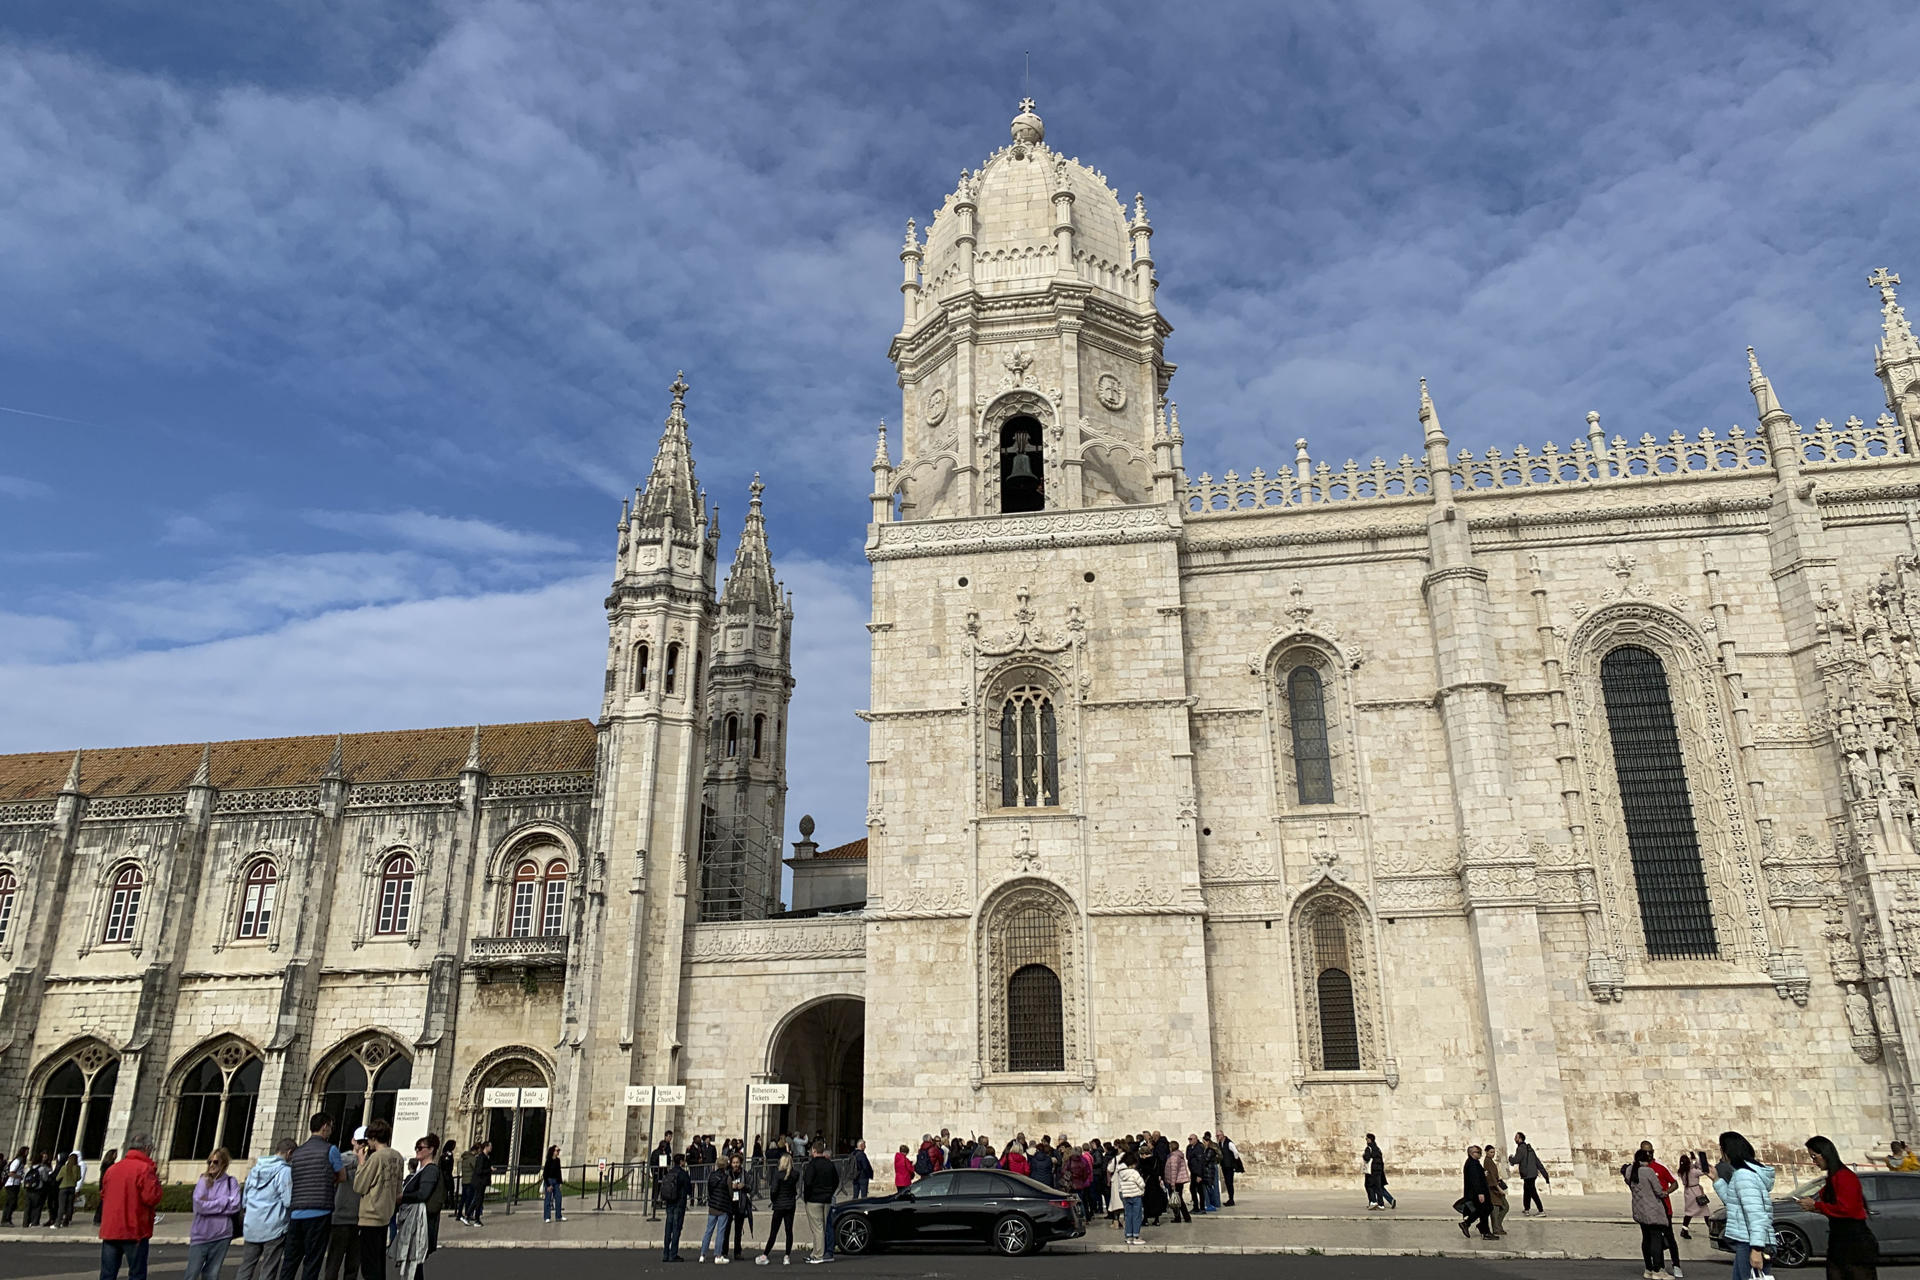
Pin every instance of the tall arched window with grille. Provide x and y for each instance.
(75, 1101)
(1333, 984)
(1036, 1033)
(640, 653)
(672, 674)
(396, 895)
(217, 1099)
(1307, 716)
(759, 734)
(1676, 910)
(9, 894)
(526, 891)
(1029, 749)
(553, 911)
(364, 1082)
(733, 736)
(123, 905)
(256, 903)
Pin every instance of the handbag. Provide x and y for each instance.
(1463, 1206)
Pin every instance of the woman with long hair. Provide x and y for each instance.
(1745, 1186)
(216, 1198)
(106, 1162)
(1852, 1251)
(553, 1184)
(1693, 1167)
(783, 1192)
(1650, 1212)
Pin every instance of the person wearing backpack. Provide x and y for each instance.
(923, 1160)
(216, 1201)
(37, 1182)
(673, 1188)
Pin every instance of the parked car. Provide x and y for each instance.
(1893, 1211)
(1009, 1211)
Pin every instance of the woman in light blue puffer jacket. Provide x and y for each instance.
(1745, 1186)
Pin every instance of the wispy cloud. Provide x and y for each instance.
(22, 487)
(443, 533)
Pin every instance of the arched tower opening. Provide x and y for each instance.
(1022, 466)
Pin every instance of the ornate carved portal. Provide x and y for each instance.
(1028, 923)
(1336, 984)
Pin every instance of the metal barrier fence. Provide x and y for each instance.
(621, 1184)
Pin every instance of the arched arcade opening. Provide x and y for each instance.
(820, 1053)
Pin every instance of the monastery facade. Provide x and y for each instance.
(1569, 790)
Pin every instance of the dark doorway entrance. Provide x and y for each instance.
(821, 1053)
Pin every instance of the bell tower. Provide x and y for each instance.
(1030, 354)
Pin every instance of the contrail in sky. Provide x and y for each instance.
(50, 417)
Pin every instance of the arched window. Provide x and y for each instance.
(256, 907)
(1034, 1031)
(123, 907)
(1676, 913)
(218, 1097)
(365, 1083)
(75, 1102)
(759, 732)
(640, 655)
(553, 913)
(526, 888)
(1029, 750)
(1022, 466)
(1307, 714)
(396, 895)
(673, 665)
(9, 892)
(1333, 983)
(733, 736)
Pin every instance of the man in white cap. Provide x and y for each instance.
(343, 1240)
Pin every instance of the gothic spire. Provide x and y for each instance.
(1430, 417)
(336, 762)
(473, 753)
(750, 581)
(1765, 403)
(203, 775)
(671, 489)
(72, 784)
(1896, 333)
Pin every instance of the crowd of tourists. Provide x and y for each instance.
(42, 1185)
(1128, 1184)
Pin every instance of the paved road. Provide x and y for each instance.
(19, 1261)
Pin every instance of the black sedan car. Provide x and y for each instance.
(1009, 1211)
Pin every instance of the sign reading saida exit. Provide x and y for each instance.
(766, 1095)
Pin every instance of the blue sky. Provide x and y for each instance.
(333, 332)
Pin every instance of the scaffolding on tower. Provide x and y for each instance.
(737, 860)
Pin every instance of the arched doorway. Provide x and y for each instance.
(361, 1082)
(821, 1053)
(511, 1100)
(75, 1101)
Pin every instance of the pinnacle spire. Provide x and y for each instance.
(750, 580)
(72, 784)
(336, 762)
(671, 489)
(1764, 401)
(1429, 416)
(880, 459)
(203, 775)
(473, 753)
(1896, 332)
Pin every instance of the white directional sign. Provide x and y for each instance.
(410, 1108)
(766, 1095)
(533, 1097)
(508, 1098)
(669, 1095)
(639, 1095)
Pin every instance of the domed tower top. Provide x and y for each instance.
(1028, 127)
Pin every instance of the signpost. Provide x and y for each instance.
(763, 1096)
(652, 1096)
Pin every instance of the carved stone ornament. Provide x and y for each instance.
(936, 407)
(1112, 394)
(761, 940)
(1865, 1039)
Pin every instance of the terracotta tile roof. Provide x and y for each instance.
(854, 850)
(400, 755)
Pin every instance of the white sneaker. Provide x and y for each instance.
(760, 1261)
(722, 1260)
(786, 1260)
(1675, 1272)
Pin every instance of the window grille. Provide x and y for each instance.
(256, 906)
(1339, 1033)
(396, 895)
(1676, 913)
(1307, 713)
(123, 910)
(9, 890)
(1036, 1033)
(1029, 750)
(553, 912)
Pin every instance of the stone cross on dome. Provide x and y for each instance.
(1884, 280)
(1026, 105)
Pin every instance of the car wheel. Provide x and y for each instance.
(1013, 1235)
(853, 1234)
(1791, 1247)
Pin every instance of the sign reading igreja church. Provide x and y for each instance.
(1568, 790)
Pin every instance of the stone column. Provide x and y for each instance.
(1497, 870)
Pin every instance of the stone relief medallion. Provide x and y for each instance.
(936, 407)
(1111, 393)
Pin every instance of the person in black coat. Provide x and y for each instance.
(1378, 1197)
(1475, 1202)
(783, 1193)
(674, 1188)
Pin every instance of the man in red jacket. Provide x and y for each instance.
(129, 1193)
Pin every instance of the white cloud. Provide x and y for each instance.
(443, 533)
(22, 487)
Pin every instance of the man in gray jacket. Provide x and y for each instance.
(1526, 1162)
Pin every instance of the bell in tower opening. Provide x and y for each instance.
(1022, 467)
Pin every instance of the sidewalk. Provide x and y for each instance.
(1263, 1221)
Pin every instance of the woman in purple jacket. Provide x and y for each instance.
(216, 1198)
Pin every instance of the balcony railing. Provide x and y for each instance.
(541, 950)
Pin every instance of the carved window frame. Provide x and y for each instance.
(996, 968)
(100, 909)
(232, 878)
(372, 878)
(374, 1048)
(1333, 666)
(9, 908)
(1723, 820)
(92, 1054)
(229, 1053)
(1328, 898)
(1021, 403)
(542, 842)
(995, 691)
